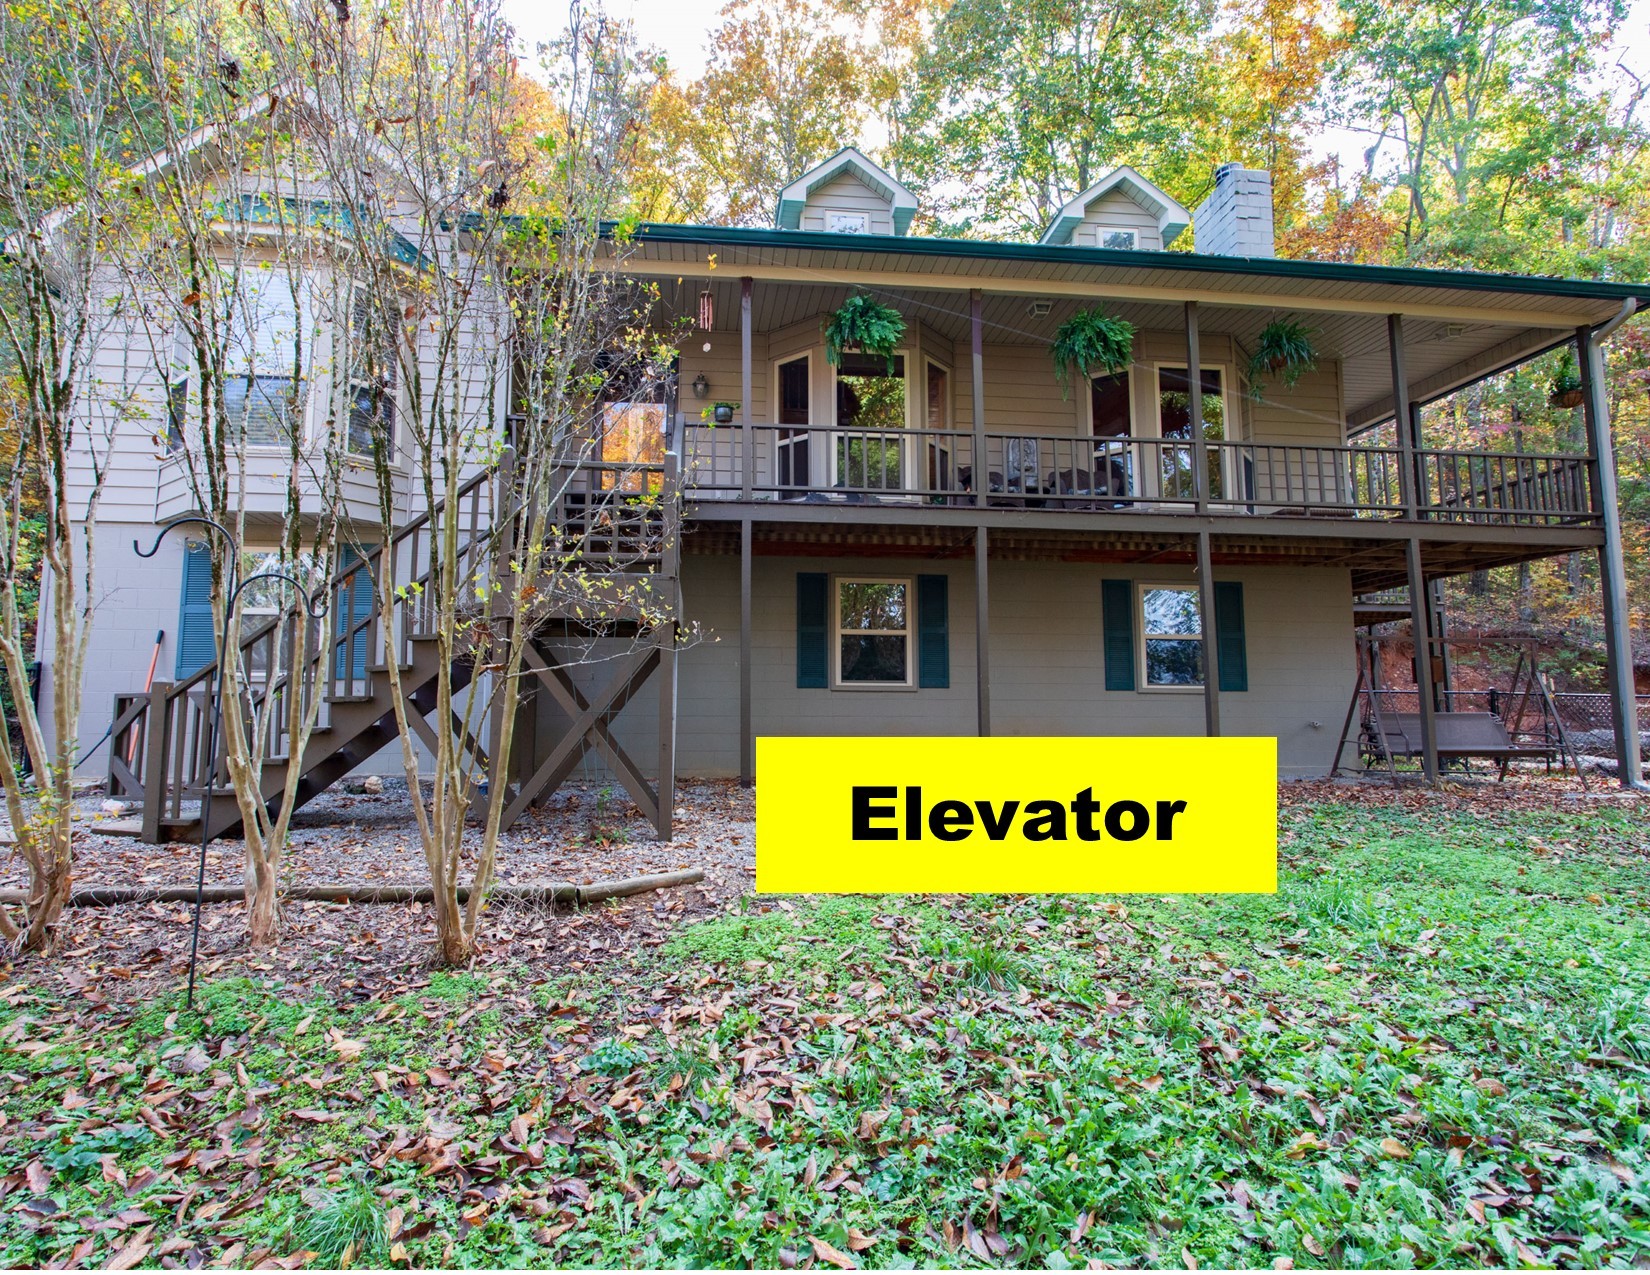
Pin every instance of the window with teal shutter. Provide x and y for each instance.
(1117, 633)
(933, 633)
(354, 605)
(812, 638)
(1231, 651)
(197, 644)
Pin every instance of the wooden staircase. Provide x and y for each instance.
(617, 526)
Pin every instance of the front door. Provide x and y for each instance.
(791, 451)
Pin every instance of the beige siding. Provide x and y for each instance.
(1048, 674)
(1309, 414)
(1116, 211)
(847, 194)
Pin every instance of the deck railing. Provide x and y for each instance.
(606, 516)
(1064, 471)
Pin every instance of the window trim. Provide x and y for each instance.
(1145, 685)
(863, 226)
(909, 632)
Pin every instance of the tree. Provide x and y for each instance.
(61, 202)
(236, 266)
(782, 90)
(512, 267)
(1018, 105)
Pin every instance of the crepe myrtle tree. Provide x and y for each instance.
(61, 198)
(501, 187)
(237, 256)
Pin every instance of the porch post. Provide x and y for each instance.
(982, 629)
(747, 438)
(1206, 608)
(1612, 572)
(670, 568)
(747, 743)
(1403, 426)
(976, 343)
(1421, 628)
(1194, 408)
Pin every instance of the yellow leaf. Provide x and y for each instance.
(1394, 1149)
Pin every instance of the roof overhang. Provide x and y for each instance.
(1172, 217)
(1459, 326)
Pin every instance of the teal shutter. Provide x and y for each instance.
(353, 608)
(933, 633)
(812, 641)
(197, 644)
(1117, 626)
(1231, 653)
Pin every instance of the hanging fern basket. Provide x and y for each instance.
(1284, 349)
(864, 325)
(1565, 390)
(1091, 342)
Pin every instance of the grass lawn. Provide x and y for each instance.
(1431, 1047)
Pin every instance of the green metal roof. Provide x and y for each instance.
(1185, 262)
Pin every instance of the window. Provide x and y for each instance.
(1171, 632)
(873, 630)
(265, 407)
(371, 379)
(847, 223)
(1121, 239)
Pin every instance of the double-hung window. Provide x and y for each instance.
(371, 378)
(873, 631)
(264, 407)
(1171, 632)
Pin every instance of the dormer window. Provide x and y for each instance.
(848, 223)
(1124, 240)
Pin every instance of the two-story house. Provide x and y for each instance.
(961, 537)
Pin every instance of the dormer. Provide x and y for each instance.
(848, 195)
(1120, 211)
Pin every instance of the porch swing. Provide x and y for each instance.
(1531, 729)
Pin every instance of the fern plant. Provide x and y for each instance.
(864, 323)
(1565, 390)
(1284, 349)
(1090, 341)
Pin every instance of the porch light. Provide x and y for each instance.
(1039, 309)
(701, 386)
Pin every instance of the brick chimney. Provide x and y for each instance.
(1236, 219)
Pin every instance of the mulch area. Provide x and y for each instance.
(583, 834)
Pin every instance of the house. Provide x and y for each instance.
(955, 540)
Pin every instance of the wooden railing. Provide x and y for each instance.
(1064, 471)
(607, 517)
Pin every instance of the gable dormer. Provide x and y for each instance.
(847, 194)
(1120, 211)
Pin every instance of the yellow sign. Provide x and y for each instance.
(1021, 816)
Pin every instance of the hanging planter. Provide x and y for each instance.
(1565, 390)
(719, 413)
(1088, 342)
(864, 325)
(1283, 350)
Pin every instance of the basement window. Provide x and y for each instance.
(873, 632)
(1171, 632)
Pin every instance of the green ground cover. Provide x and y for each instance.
(1431, 1047)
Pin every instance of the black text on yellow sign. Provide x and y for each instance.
(1033, 815)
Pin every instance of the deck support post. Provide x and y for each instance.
(982, 629)
(670, 567)
(1194, 417)
(747, 742)
(157, 740)
(981, 468)
(1211, 656)
(1404, 423)
(1421, 628)
(1612, 571)
(747, 437)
